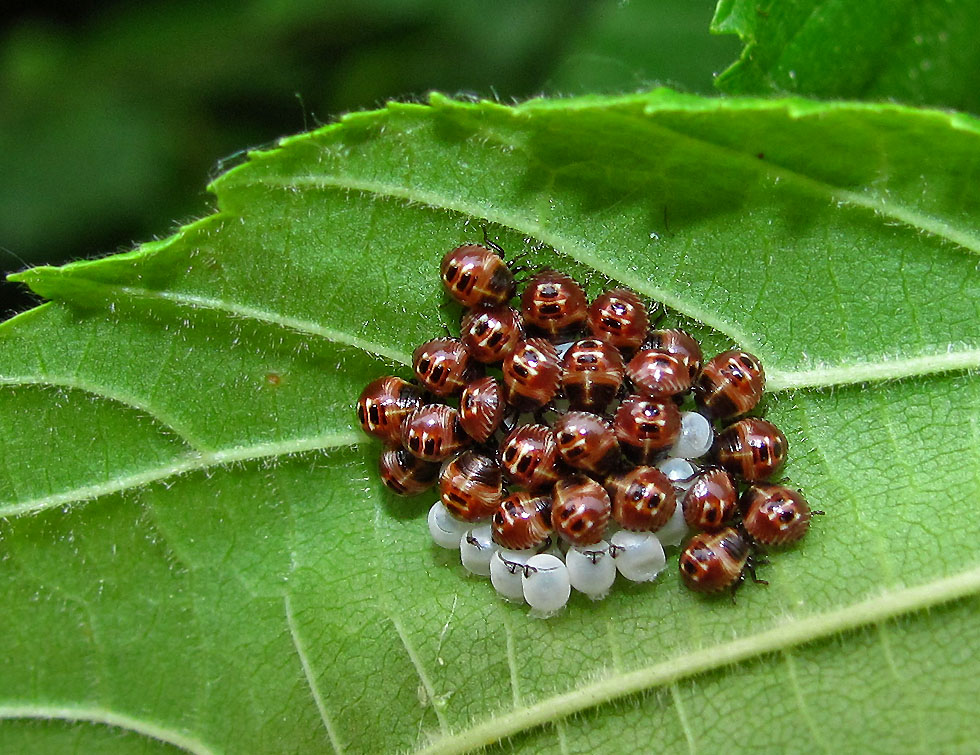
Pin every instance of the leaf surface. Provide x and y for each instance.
(196, 549)
(920, 52)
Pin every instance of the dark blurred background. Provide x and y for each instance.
(113, 115)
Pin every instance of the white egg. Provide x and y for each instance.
(445, 529)
(475, 549)
(671, 534)
(507, 572)
(591, 570)
(680, 472)
(639, 555)
(546, 585)
(695, 438)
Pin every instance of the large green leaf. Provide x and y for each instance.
(195, 546)
(921, 52)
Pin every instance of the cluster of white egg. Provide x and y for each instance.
(544, 577)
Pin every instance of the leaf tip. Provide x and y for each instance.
(26, 276)
(723, 21)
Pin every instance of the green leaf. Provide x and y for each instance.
(196, 549)
(632, 46)
(920, 53)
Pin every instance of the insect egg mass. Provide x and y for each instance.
(572, 444)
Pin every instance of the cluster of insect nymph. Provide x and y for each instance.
(583, 441)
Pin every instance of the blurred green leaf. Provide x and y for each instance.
(195, 548)
(629, 46)
(920, 53)
(108, 130)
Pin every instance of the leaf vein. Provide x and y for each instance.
(820, 445)
(906, 216)
(794, 682)
(675, 694)
(789, 633)
(902, 683)
(883, 367)
(95, 715)
(107, 392)
(561, 244)
(195, 462)
(512, 663)
(560, 731)
(422, 673)
(246, 312)
(614, 651)
(308, 673)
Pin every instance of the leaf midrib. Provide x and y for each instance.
(888, 605)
